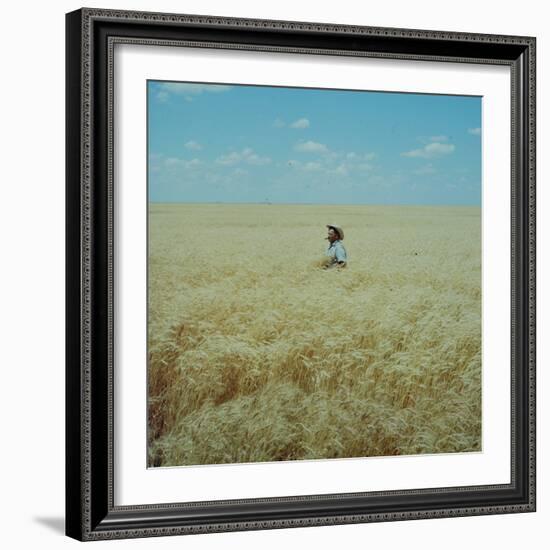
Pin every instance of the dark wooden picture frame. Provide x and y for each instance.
(90, 510)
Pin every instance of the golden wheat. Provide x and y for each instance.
(257, 354)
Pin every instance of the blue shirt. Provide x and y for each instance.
(337, 253)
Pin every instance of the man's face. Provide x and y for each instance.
(332, 235)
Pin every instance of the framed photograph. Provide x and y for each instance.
(300, 274)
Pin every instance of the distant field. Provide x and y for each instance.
(256, 354)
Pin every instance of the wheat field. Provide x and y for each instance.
(257, 354)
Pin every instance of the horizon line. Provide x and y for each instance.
(268, 203)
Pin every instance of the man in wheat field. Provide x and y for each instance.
(336, 253)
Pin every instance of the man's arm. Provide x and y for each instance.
(341, 256)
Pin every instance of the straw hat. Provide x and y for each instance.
(338, 230)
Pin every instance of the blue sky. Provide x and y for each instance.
(231, 143)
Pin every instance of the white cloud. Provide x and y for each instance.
(431, 150)
(300, 123)
(342, 170)
(162, 96)
(278, 123)
(352, 161)
(247, 155)
(331, 162)
(474, 131)
(311, 147)
(257, 160)
(310, 166)
(181, 163)
(313, 166)
(165, 89)
(355, 157)
(193, 145)
(426, 170)
(229, 159)
(439, 138)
